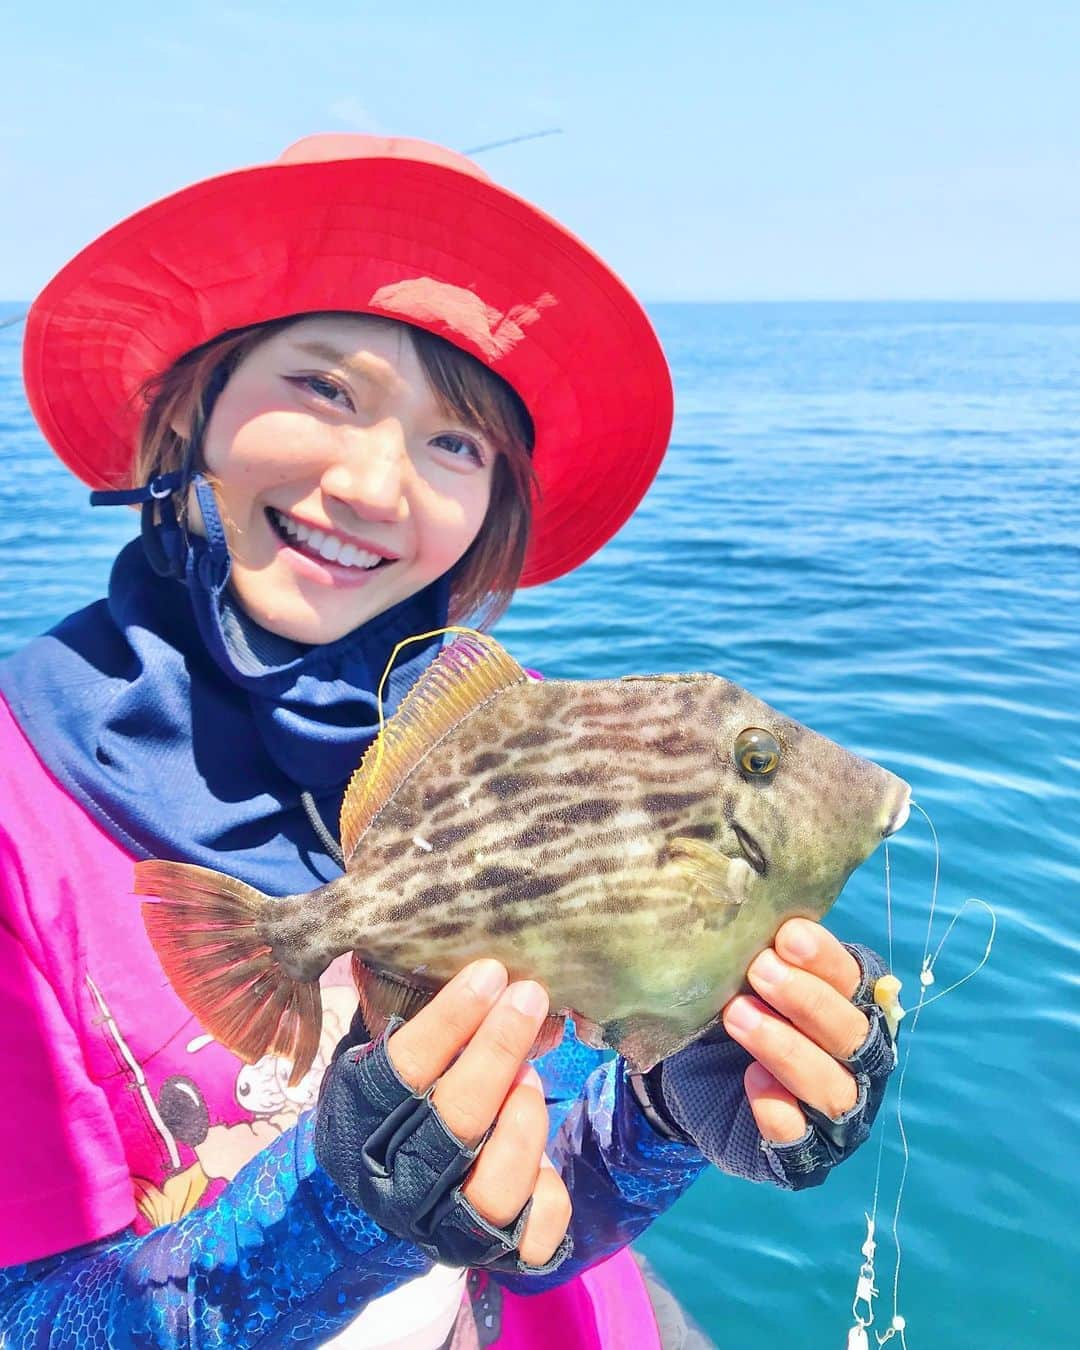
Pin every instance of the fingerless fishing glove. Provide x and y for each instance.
(389, 1151)
(697, 1095)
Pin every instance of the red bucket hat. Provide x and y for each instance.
(386, 226)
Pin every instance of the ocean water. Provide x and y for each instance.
(870, 516)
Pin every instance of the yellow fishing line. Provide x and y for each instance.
(405, 642)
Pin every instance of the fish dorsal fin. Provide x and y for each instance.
(461, 679)
(720, 877)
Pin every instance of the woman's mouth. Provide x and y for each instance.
(323, 546)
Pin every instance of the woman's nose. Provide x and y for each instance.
(369, 475)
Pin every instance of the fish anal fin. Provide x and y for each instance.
(589, 1032)
(208, 930)
(723, 879)
(383, 996)
(461, 679)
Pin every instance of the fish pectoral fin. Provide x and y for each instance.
(722, 878)
(549, 1037)
(463, 677)
(383, 996)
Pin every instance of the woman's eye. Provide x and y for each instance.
(327, 389)
(461, 447)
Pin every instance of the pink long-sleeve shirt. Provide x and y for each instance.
(156, 1116)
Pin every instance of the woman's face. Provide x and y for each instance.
(343, 486)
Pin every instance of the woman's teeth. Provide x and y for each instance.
(327, 546)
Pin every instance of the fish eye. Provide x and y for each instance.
(756, 753)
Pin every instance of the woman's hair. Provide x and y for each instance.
(484, 579)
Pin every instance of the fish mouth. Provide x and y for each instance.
(899, 817)
(751, 849)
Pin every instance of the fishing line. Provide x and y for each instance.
(971, 900)
(513, 140)
(888, 905)
(405, 642)
(329, 843)
(865, 1290)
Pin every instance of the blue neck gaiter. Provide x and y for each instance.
(188, 732)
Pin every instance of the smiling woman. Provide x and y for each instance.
(398, 454)
(358, 392)
(349, 393)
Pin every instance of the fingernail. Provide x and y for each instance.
(529, 998)
(800, 941)
(486, 979)
(769, 970)
(742, 1014)
(757, 1078)
(527, 1076)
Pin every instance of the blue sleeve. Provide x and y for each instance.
(620, 1173)
(280, 1257)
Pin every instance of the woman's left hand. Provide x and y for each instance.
(790, 1082)
(801, 1024)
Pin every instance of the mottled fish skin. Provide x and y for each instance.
(541, 831)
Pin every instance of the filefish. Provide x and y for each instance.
(630, 843)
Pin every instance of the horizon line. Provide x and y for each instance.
(758, 300)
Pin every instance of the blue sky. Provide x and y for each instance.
(758, 150)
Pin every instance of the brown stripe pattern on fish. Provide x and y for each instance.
(632, 844)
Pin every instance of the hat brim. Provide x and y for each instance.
(414, 241)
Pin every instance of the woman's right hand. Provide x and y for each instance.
(471, 1042)
(437, 1130)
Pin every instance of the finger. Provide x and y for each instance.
(806, 1070)
(504, 1174)
(469, 1094)
(813, 948)
(422, 1049)
(810, 1004)
(776, 1112)
(548, 1219)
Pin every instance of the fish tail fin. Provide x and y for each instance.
(209, 932)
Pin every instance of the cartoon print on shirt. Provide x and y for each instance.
(262, 1089)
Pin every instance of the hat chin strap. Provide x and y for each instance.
(165, 541)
